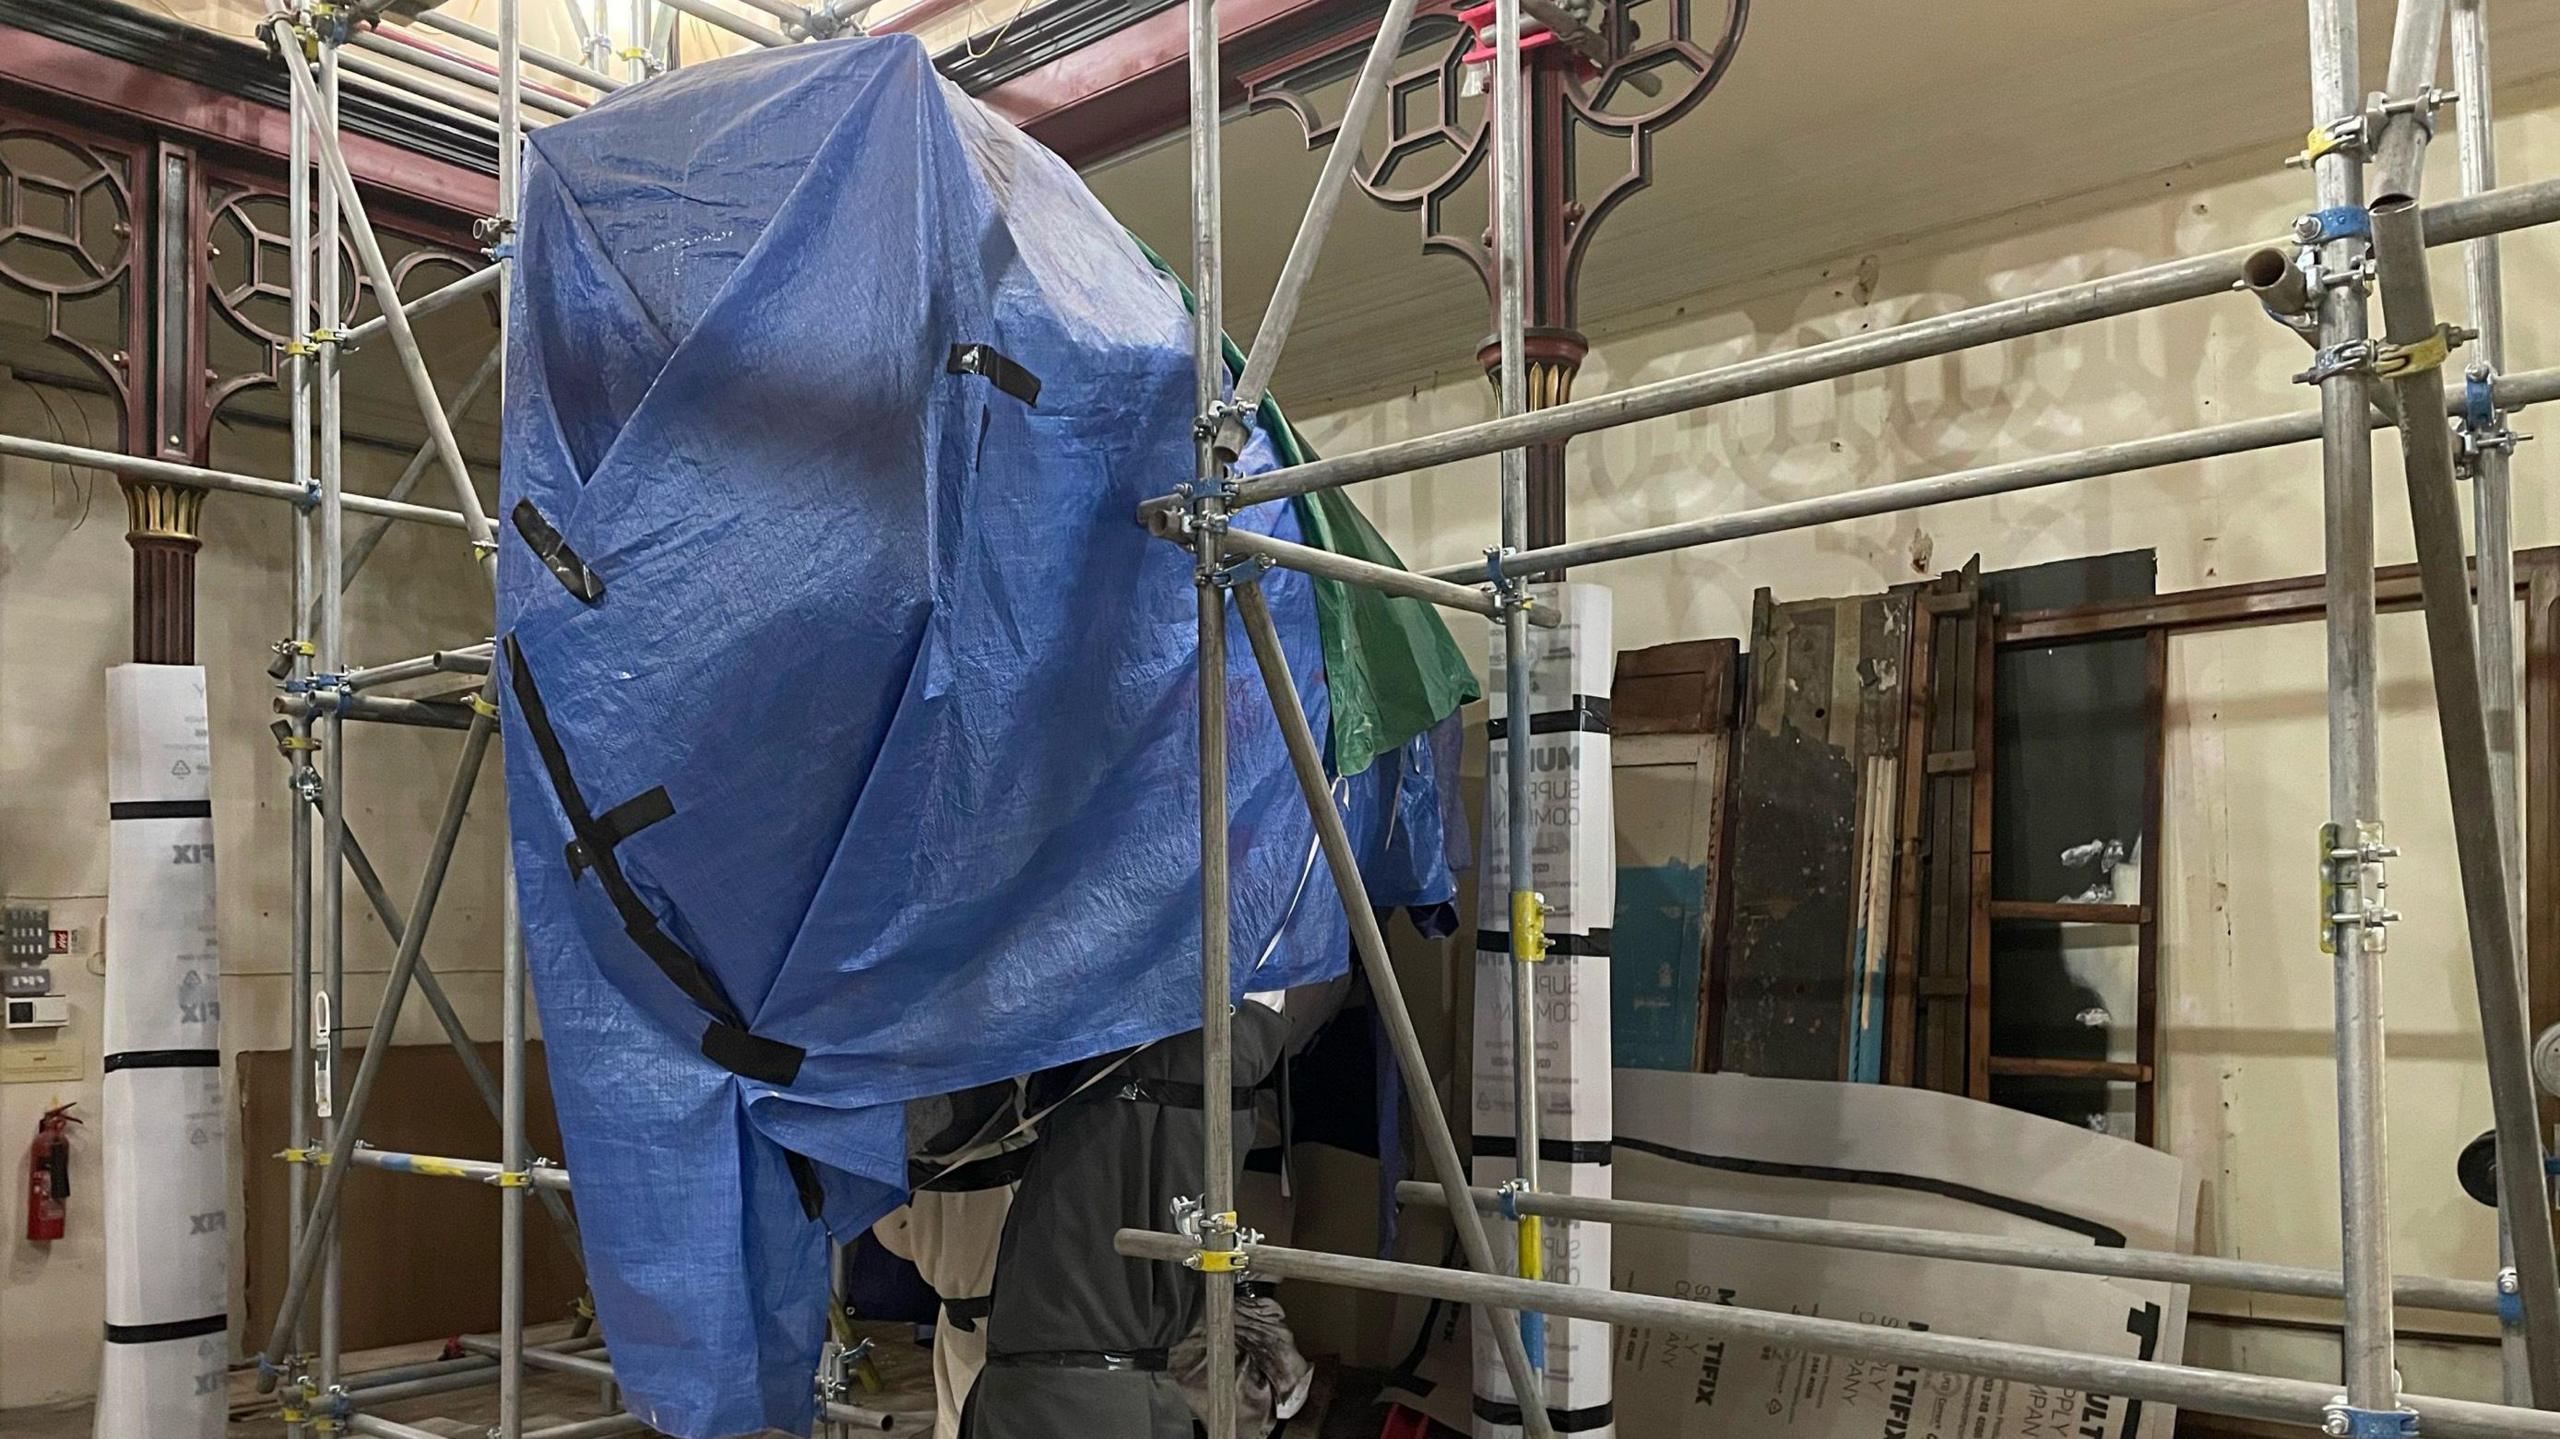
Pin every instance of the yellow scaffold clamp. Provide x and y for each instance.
(2422, 355)
(1529, 924)
(483, 708)
(304, 1156)
(1221, 1238)
(2333, 138)
(513, 1179)
(1531, 1229)
(1221, 1246)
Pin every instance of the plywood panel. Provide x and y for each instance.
(421, 1254)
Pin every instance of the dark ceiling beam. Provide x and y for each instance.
(1117, 91)
(109, 59)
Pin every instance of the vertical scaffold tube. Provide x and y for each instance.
(514, 1155)
(2492, 522)
(1368, 941)
(297, 667)
(332, 660)
(1511, 188)
(1217, 1220)
(2354, 754)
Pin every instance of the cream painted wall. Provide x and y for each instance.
(2245, 1082)
(64, 618)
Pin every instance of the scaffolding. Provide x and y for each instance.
(2318, 281)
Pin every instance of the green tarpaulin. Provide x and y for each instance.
(1392, 665)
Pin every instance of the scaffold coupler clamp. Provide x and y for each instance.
(2316, 232)
(2384, 360)
(497, 236)
(1510, 591)
(1220, 1238)
(820, 22)
(2347, 135)
(2510, 1298)
(1242, 570)
(1227, 425)
(2482, 428)
(2352, 886)
(2421, 108)
(288, 652)
(1529, 924)
(2342, 1420)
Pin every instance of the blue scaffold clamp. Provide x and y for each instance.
(1510, 590)
(2345, 1421)
(2479, 401)
(2511, 1293)
(2337, 222)
(2482, 428)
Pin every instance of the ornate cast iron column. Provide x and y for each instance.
(1640, 66)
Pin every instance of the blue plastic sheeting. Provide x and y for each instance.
(875, 619)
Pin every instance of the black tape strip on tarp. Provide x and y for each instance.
(991, 364)
(544, 540)
(622, 822)
(727, 1042)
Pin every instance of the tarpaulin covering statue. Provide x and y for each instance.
(849, 716)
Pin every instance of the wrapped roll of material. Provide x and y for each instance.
(164, 1133)
(1573, 868)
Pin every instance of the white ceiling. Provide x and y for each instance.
(1843, 125)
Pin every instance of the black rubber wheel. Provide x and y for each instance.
(2477, 1169)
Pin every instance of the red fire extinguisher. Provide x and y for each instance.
(49, 1175)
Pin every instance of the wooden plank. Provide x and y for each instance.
(2146, 1022)
(2115, 1071)
(2223, 606)
(1712, 966)
(398, 1290)
(1901, 1041)
(1941, 1024)
(1952, 761)
(2539, 571)
(1978, 915)
(1784, 966)
(2070, 911)
(1825, 695)
(1685, 687)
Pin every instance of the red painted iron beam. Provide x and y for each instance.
(1132, 86)
(169, 104)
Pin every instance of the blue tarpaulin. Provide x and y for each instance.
(850, 718)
